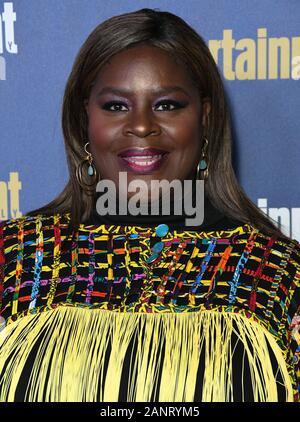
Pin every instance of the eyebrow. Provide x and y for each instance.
(122, 91)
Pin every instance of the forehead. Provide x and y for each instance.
(144, 64)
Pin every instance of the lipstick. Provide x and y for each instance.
(143, 160)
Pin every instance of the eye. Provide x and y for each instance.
(165, 103)
(107, 106)
(172, 103)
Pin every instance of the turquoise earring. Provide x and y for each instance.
(91, 169)
(202, 165)
(91, 173)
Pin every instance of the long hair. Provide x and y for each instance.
(173, 35)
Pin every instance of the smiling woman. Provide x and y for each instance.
(155, 130)
(142, 307)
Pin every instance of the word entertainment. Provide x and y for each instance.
(7, 35)
(261, 58)
(10, 197)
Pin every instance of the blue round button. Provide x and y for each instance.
(133, 236)
(162, 230)
(158, 247)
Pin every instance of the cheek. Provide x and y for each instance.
(100, 133)
(187, 146)
(187, 132)
(188, 137)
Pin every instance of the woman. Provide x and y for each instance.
(144, 307)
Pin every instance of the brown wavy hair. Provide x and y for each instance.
(172, 34)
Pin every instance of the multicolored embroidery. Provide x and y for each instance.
(239, 270)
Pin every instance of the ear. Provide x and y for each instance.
(206, 108)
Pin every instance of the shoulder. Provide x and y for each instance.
(21, 238)
(287, 253)
(19, 230)
(280, 245)
(284, 254)
(287, 244)
(275, 260)
(28, 219)
(290, 249)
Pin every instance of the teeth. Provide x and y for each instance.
(143, 160)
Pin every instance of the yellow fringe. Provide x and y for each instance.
(76, 339)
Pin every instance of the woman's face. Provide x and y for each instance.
(144, 99)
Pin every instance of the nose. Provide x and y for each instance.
(141, 123)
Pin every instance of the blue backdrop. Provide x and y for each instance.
(255, 44)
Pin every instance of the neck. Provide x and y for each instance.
(213, 218)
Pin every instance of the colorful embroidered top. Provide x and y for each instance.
(214, 318)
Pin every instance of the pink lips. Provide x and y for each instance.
(142, 160)
(136, 152)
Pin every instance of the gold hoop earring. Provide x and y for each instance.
(203, 165)
(89, 174)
